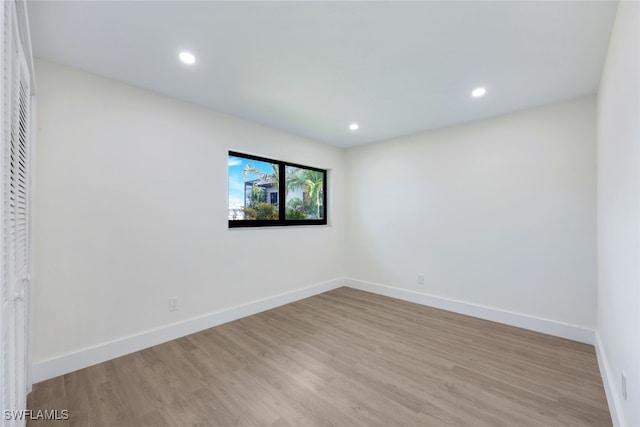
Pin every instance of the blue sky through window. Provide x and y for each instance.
(236, 180)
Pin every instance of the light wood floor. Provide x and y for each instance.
(343, 358)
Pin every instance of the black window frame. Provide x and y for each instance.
(282, 209)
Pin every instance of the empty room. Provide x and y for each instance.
(310, 213)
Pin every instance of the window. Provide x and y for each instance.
(258, 185)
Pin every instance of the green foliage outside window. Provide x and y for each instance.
(261, 211)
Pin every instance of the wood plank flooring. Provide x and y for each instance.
(343, 358)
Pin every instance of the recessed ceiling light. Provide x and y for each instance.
(478, 92)
(353, 126)
(187, 57)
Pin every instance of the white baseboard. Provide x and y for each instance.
(73, 361)
(615, 407)
(550, 327)
(83, 358)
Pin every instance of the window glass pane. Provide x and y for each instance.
(305, 193)
(253, 189)
(256, 186)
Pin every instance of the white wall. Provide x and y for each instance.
(618, 327)
(498, 213)
(132, 210)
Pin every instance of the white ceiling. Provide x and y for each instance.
(311, 68)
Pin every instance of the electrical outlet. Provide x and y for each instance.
(420, 279)
(173, 304)
(623, 385)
